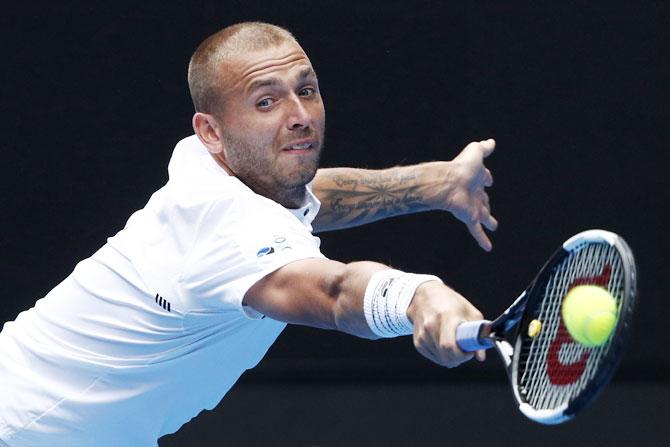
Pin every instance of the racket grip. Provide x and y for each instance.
(473, 335)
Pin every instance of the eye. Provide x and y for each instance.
(307, 91)
(265, 103)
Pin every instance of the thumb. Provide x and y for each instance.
(488, 145)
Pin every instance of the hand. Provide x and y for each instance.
(435, 311)
(462, 190)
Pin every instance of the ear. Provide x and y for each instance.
(209, 132)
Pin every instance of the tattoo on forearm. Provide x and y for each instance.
(365, 197)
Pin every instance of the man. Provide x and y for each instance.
(162, 320)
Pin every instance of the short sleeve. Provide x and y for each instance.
(239, 244)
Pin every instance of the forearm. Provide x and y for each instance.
(389, 303)
(351, 197)
(368, 300)
(378, 302)
(347, 310)
(318, 293)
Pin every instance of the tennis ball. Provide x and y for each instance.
(590, 314)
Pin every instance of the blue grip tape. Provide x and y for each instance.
(467, 336)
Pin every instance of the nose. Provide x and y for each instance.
(299, 117)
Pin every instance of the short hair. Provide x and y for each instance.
(205, 74)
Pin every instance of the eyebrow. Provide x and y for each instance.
(271, 81)
(306, 72)
(258, 83)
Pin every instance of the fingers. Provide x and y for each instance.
(450, 354)
(490, 222)
(473, 206)
(478, 149)
(477, 232)
(486, 218)
(480, 215)
(438, 313)
(488, 178)
(425, 351)
(444, 353)
(488, 146)
(483, 218)
(480, 236)
(480, 355)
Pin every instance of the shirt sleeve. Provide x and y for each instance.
(237, 246)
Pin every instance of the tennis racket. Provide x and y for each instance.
(552, 376)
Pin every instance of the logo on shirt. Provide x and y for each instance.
(279, 243)
(162, 302)
(265, 251)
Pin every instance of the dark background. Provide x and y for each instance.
(94, 98)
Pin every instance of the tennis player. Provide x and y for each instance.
(160, 322)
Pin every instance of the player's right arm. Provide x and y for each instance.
(328, 294)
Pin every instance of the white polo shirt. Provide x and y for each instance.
(151, 329)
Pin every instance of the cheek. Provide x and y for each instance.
(320, 115)
(255, 132)
(263, 126)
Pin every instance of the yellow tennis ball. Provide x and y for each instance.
(590, 314)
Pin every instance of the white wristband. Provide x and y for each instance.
(387, 298)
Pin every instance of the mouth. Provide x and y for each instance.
(300, 147)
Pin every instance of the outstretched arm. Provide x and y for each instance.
(330, 295)
(351, 197)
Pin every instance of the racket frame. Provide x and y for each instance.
(504, 333)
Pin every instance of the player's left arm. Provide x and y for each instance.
(351, 197)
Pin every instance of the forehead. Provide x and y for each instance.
(282, 60)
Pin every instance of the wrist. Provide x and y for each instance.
(436, 178)
(387, 299)
(423, 292)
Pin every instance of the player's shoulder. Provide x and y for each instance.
(199, 189)
(197, 182)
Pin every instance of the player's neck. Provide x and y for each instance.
(292, 198)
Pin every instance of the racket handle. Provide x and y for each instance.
(473, 335)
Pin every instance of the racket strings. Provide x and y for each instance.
(570, 368)
(553, 369)
(570, 353)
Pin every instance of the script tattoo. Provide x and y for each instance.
(360, 198)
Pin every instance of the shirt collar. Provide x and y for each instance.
(307, 213)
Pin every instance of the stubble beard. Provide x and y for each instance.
(248, 162)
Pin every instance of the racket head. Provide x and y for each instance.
(553, 376)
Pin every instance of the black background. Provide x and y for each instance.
(94, 98)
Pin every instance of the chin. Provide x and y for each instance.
(299, 176)
(299, 179)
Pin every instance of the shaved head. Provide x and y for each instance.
(207, 68)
